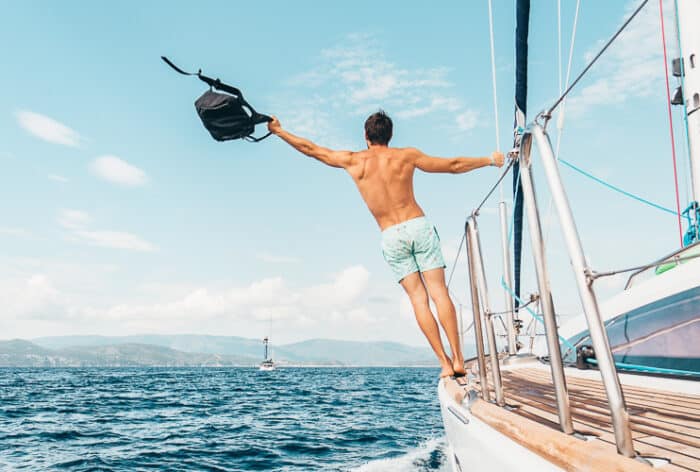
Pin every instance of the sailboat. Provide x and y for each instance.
(618, 388)
(267, 364)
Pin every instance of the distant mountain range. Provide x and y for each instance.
(189, 350)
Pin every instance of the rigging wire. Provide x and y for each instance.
(670, 123)
(560, 116)
(493, 83)
(559, 43)
(548, 113)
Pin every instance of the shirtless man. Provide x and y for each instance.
(410, 244)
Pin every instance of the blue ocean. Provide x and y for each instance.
(229, 419)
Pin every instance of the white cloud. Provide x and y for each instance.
(467, 120)
(340, 299)
(76, 222)
(116, 170)
(73, 219)
(57, 178)
(32, 297)
(347, 286)
(436, 104)
(355, 77)
(632, 66)
(47, 128)
(115, 239)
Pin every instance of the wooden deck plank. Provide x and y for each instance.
(592, 387)
(637, 393)
(599, 411)
(664, 424)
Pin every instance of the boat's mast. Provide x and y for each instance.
(522, 13)
(265, 341)
(688, 12)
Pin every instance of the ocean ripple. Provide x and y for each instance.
(210, 419)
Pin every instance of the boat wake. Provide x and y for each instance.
(428, 456)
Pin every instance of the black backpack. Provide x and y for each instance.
(225, 115)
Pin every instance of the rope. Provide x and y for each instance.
(617, 189)
(454, 264)
(670, 123)
(493, 82)
(548, 113)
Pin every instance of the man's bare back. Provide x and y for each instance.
(384, 177)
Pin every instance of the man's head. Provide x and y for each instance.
(379, 128)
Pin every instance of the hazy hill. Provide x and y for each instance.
(202, 350)
(20, 353)
(360, 353)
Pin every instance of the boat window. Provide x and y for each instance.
(660, 337)
(692, 61)
(696, 100)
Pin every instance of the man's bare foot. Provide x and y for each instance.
(458, 368)
(447, 370)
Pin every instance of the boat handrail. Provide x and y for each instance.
(477, 271)
(546, 303)
(584, 280)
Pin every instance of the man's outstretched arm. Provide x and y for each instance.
(455, 165)
(327, 156)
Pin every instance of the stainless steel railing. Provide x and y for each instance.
(476, 267)
(481, 306)
(599, 337)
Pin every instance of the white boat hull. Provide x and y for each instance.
(473, 446)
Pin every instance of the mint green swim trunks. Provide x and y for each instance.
(412, 246)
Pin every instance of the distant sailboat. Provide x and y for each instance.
(267, 363)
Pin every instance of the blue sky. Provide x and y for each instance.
(120, 215)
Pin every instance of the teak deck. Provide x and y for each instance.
(664, 424)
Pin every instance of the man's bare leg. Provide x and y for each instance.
(435, 282)
(419, 299)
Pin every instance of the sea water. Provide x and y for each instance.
(228, 419)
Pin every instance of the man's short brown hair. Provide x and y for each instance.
(379, 128)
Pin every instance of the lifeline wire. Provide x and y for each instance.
(498, 182)
(617, 189)
(454, 264)
(548, 113)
